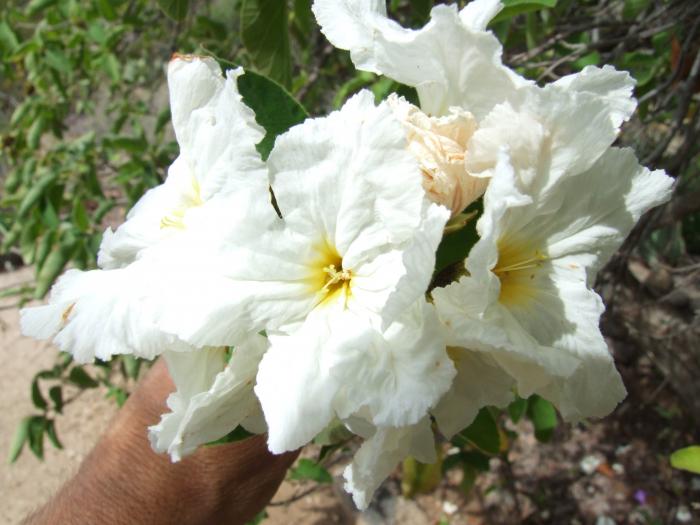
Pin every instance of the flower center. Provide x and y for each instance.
(190, 197)
(516, 269)
(328, 279)
(335, 278)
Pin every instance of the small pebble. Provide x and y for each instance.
(590, 463)
(449, 508)
(683, 514)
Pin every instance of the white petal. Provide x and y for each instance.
(242, 273)
(480, 382)
(212, 397)
(216, 131)
(549, 133)
(217, 135)
(379, 455)
(295, 388)
(103, 313)
(397, 375)
(594, 224)
(143, 226)
(348, 177)
(477, 14)
(593, 390)
(450, 61)
(348, 24)
(392, 281)
(615, 87)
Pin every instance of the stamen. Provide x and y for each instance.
(533, 262)
(335, 276)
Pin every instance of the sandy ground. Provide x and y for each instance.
(29, 482)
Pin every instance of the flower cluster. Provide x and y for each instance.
(338, 272)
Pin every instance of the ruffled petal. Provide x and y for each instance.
(294, 385)
(614, 87)
(217, 135)
(404, 370)
(444, 60)
(212, 397)
(102, 314)
(479, 382)
(379, 455)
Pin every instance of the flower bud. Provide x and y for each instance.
(440, 144)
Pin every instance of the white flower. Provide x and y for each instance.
(217, 134)
(452, 61)
(152, 257)
(559, 130)
(212, 398)
(527, 300)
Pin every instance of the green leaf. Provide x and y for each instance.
(110, 64)
(175, 9)
(687, 459)
(303, 16)
(417, 477)
(516, 7)
(307, 469)
(81, 378)
(483, 432)
(421, 10)
(51, 432)
(119, 394)
(334, 433)
(134, 145)
(79, 214)
(8, 39)
(35, 193)
(37, 397)
(259, 517)
(106, 9)
(517, 409)
(37, 426)
(58, 61)
(35, 6)
(591, 59)
(633, 8)
(455, 247)
(543, 416)
(54, 264)
(132, 365)
(237, 434)
(275, 109)
(265, 34)
(35, 131)
(19, 439)
(642, 66)
(56, 395)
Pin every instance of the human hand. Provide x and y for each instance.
(122, 481)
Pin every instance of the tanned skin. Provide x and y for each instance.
(123, 482)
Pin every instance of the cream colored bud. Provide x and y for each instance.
(440, 145)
